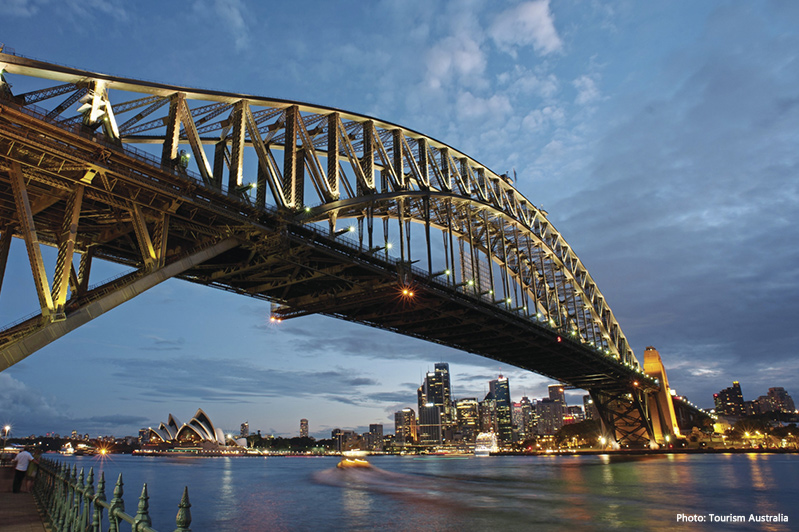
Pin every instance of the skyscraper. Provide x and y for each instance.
(245, 429)
(429, 427)
(436, 390)
(303, 428)
(467, 418)
(405, 426)
(730, 401)
(375, 442)
(500, 389)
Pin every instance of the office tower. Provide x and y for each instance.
(429, 427)
(447, 408)
(468, 418)
(436, 390)
(730, 401)
(303, 428)
(528, 421)
(245, 429)
(375, 437)
(500, 388)
(488, 414)
(550, 416)
(556, 393)
(590, 408)
(405, 426)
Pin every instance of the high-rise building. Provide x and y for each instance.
(375, 441)
(468, 418)
(488, 414)
(345, 439)
(245, 429)
(436, 390)
(529, 418)
(590, 408)
(730, 401)
(500, 389)
(303, 428)
(405, 427)
(550, 416)
(429, 426)
(781, 401)
(557, 393)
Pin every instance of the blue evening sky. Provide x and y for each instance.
(661, 137)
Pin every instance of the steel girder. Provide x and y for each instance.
(500, 256)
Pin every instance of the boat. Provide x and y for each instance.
(485, 444)
(347, 463)
(353, 459)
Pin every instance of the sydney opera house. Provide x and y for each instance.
(199, 432)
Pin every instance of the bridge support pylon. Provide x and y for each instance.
(661, 410)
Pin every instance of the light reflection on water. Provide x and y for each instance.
(643, 492)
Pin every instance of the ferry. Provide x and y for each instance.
(486, 444)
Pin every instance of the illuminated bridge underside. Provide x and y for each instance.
(313, 209)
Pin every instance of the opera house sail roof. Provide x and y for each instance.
(200, 429)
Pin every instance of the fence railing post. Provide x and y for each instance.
(183, 519)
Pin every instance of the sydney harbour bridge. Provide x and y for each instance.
(312, 209)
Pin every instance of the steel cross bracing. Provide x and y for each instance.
(314, 209)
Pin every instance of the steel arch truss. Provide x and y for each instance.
(277, 174)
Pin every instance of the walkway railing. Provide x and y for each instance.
(71, 504)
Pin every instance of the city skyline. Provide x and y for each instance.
(651, 135)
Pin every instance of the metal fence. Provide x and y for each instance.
(70, 502)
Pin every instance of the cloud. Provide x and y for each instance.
(529, 23)
(587, 90)
(457, 57)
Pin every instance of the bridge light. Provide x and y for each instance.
(471, 282)
(508, 301)
(635, 383)
(389, 245)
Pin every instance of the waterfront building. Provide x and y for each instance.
(730, 401)
(488, 418)
(374, 438)
(550, 416)
(303, 428)
(429, 426)
(468, 419)
(436, 390)
(780, 400)
(500, 389)
(405, 427)
(529, 417)
(199, 431)
(346, 440)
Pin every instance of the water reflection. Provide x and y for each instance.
(516, 493)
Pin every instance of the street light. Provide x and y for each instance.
(6, 430)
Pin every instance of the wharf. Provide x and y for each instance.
(18, 511)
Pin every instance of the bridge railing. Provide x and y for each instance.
(69, 502)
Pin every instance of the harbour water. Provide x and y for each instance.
(569, 493)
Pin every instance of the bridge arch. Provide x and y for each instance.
(245, 194)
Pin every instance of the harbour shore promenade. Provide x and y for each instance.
(18, 511)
